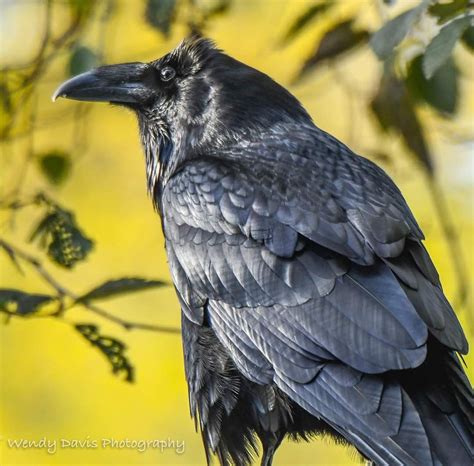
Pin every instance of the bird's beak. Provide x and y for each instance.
(124, 83)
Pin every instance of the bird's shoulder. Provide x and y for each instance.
(276, 187)
(235, 236)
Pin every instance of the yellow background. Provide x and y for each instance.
(53, 384)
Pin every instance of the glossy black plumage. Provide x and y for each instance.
(310, 305)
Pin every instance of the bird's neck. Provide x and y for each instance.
(164, 152)
(157, 147)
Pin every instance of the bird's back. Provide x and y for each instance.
(301, 266)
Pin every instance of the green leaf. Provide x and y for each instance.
(112, 348)
(55, 166)
(339, 40)
(59, 233)
(21, 303)
(123, 285)
(303, 20)
(160, 14)
(81, 8)
(6, 110)
(12, 255)
(446, 11)
(82, 59)
(440, 91)
(5, 98)
(394, 31)
(218, 8)
(393, 108)
(381, 158)
(441, 47)
(468, 37)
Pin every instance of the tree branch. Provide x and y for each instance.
(62, 292)
(452, 239)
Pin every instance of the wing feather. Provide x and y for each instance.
(310, 270)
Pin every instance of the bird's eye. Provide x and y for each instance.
(167, 73)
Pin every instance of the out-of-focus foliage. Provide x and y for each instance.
(160, 13)
(112, 348)
(20, 303)
(394, 31)
(115, 287)
(342, 38)
(305, 19)
(82, 59)
(55, 165)
(60, 235)
(387, 77)
(440, 90)
(394, 111)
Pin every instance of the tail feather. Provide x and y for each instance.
(410, 446)
(450, 439)
(443, 397)
(462, 390)
(436, 427)
(447, 440)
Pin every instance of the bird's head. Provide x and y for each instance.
(192, 100)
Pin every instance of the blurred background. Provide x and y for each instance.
(89, 347)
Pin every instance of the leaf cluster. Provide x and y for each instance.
(112, 348)
(431, 77)
(59, 233)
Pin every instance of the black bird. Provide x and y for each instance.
(309, 303)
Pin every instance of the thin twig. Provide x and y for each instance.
(40, 63)
(47, 277)
(28, 158)
(351, 94)
(62, 292)
(452, 239)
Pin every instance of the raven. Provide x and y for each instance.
(309, 303)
